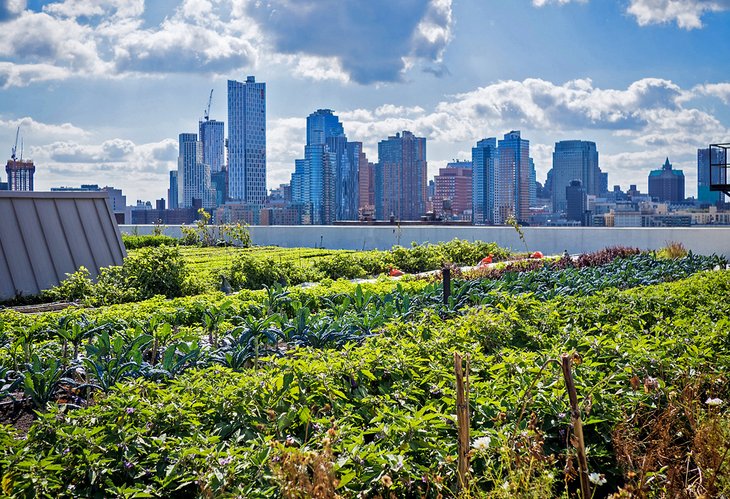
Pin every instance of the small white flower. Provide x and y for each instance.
(505, 485)
(597, 478)
(481, 444)
(713, 402)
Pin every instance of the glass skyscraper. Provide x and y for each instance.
(704, 194)
(247, 141)
(325, 182)
(574, 160)
(512, 179)
(193, 175)
(483, 158)
(211, 136)
(400, 177)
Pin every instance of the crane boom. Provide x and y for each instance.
(207, 109)
(15, 147)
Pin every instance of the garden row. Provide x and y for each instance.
(73, 355)
(376, 417)
(174, 271)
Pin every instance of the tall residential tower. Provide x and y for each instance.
(247, 141)
(400, 177)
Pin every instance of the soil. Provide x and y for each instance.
(19, 415)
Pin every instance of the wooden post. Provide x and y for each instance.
(446, 275)
(462, 418)
(567, 365)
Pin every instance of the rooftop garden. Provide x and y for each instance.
(212, 372)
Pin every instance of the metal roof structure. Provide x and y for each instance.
(46, 235)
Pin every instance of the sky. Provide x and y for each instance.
(102, 88)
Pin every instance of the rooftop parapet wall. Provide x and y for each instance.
(549, 240)
(46, 235)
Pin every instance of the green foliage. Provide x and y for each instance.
(132, 242)
(76, 286)
(255, 273)
(156, 271)
(369, 393)
(41, 379)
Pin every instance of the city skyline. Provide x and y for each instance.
(102, 89)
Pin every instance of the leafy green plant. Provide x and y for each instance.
(41, 380)
(135, 242)
(108, 361)
(76, 286)
(9, 382)
(156, 270)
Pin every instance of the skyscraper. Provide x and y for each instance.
(574, 159)
(667, 184)
(173, 198)
(211, 137)
(400, 177)
(576, 202)
(247, 141)
(484, 161)
(325, 182)
(193, 175)
(20, 174)
(512, 179)
(704, 194)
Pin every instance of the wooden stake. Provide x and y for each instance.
(446, 275)
(585, 484)
(462, 418)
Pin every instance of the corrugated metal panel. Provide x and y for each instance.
(46, 235)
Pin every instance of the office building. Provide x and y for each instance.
(247, 141)
(704, 194)
(484, 162)
(193, 174)
(453, 191)
(576, 202)
(512, 179)
(366, 188)
(213, 144)
(400, 178)
(173, 200)
(575, 159)
(667, 185)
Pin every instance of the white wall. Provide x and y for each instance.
(549, 240)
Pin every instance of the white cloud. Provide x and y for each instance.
(374, 41)
(11, 8)
(89, 8)
(686, 13)
(181, 47)
(41, 132)
(718, 90)
(140, 170)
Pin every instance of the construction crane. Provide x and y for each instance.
(207, 109)
(15, 147)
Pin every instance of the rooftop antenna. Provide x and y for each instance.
(15, 147)
(21, 149)
(207, 109)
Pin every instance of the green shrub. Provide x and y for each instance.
(254, 273)
(76, 286)
(113, 286)
(135, 242)
(345, 265)
(156, 271)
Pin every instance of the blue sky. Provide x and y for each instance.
(102, 88)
